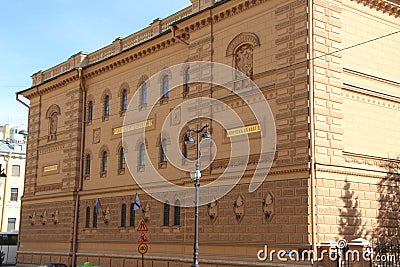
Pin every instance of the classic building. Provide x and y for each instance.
(12, 169)
(329, 72)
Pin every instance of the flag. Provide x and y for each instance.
(136, 203)
(98, 206)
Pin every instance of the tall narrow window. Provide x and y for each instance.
(132, 215)
(123, 215)
(87, 167)
(177, 213)
(165, 86)
(121, 164)
(87, 221)
(16, 170)
(166, 214)
(163, 157)
(94, 217)
(186, 81)
(104, 162)
(11, 224)
(106, 111)
(143, 98)
(142, 152)
(90, 111)
(124, 100)
(14, 194)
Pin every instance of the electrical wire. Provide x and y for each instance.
(117, 114)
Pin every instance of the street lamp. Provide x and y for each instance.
(195, 176)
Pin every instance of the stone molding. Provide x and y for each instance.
(386, 6)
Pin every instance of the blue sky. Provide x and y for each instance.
(36, 35)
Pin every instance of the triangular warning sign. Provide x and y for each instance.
(142, 227)
(143, 238)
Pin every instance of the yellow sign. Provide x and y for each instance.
(243, 130)
(143, 238)
(142, 227)
(131, 127)
(50, 168)
(143, 248)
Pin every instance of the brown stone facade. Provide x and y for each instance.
(332, 175)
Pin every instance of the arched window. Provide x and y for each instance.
(123, 215)
(124, 100)
(94, 217)
(186, 86)
(106, 111)
(177, 213)
(163, 157)
(121, 161)
(143, 96)
(132, 215)
(90, 111)
(165, 86)
(166, 214)
(142, 152)
(104, 162)
(87, 222)
(87, 163)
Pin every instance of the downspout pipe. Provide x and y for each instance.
(312, 128)
(20, 101)
(81, 162)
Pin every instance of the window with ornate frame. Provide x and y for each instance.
(132, 215)
(106, 107)
(87, 219)
(104, 158)
(121, 160)
(177, 213)
(166, 213)
(124, 100)
(90, 111)
(87, 165)
(94, 217)
(123, 215)
(165, 86)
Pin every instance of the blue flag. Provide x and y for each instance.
(136, 203)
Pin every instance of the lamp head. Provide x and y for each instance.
(189, 140)
(194, 175)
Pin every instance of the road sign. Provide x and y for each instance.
(143, 238)
(142, 248)
(142, 227)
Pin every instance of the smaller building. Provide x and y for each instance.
(12, 169)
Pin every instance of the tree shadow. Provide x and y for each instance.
(388, 217)
(350, 221)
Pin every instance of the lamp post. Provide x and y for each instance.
(196, 177)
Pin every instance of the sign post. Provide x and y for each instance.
(142, 240)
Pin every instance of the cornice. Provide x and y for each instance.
(44, 90)
(129, 58)
(380, 162)
(386, 6)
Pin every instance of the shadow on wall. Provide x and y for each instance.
(388, 223)
(350, 221)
